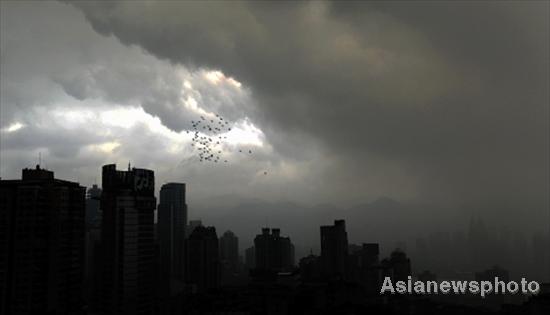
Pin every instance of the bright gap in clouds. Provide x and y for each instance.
(245, 133)
(127, 117)
(13, 127)
(113, 122)
(191, 104)
(215, 77)
(106, 147)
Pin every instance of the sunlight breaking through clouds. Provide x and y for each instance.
(107, 147)
(13, 127)
(216, 77)
(245, 133)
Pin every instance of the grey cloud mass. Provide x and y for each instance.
(456, 95)
(444, 105)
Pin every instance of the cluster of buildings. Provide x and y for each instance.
(68, 250)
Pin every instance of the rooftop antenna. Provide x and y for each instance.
(128, 165)
(39, 159)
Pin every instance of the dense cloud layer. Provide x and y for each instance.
(455, 96)
(442, 104)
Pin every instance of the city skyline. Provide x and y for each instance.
(493, 243)
(133, 256)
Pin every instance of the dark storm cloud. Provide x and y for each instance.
(451, 98)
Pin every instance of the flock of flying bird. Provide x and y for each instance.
(208, 138)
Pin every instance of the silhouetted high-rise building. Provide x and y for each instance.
(398, 266)
(171, 226)
(273, 252)
(309, 268)
(93, 210)
(334, 249)
(229, 249)
(292, 255)
(250, 258)
(172, 222)
(370, 275)
(369, 254)
(191, 226)
(93, 235)
(202, 259)
(229, 258)
(42, 244)
(128, 250)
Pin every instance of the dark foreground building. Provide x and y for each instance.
(127, 268)
(93, 232)
(203, 264)
(273, 252)
(334, 250)
(172, 221)
(229, 250)
(42, 244)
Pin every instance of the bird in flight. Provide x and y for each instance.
(208, 139)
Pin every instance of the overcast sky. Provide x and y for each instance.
(441, 103)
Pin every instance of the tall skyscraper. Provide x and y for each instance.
(370, 274)
(172, 221)
(93, 210)
(398, 266)
(273, 252)
(203, 264)
(93, 234)
(369, 254)
(334, 249)
(229, 250)
(229, 257)
(250, 258)
(42, 244)
(128, 260)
